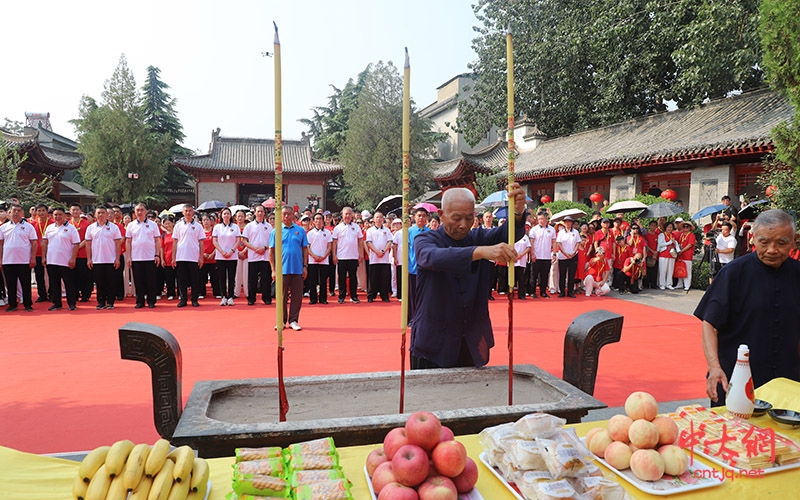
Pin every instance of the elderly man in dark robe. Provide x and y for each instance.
(451, 321)
(753, 300)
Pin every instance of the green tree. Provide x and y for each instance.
(780, 39)
(28, 193)
(486, 184)
(581, 64)
(160, 115)
(372, 153)
(15, 127)
(787, 186)
(116, 141)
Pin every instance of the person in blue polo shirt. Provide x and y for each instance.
(294, 259)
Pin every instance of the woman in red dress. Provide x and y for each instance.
(169, 271)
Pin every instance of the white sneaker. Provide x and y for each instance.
(218, 296)
(670, 287)
(171, 297)
(223, 302)
(230, 301)
(2, 302)
(295, 326)
(661, 288)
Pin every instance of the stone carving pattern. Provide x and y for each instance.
(158, 349)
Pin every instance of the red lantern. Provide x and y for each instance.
(669, 194)
(596, 198)
(545, 199)
(771, 190)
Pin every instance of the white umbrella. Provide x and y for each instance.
(236, 208)
(176, 209)
(575, 213)
(626, 206)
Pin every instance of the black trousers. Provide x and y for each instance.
(380, 281)
(145, 279)
(170, 278)
(566, 275)
(519, 281)
(119, 286)
(330, 277)
(105, 277)
(619, 279)
(398, 277)
(348, 267)
(84, 279)
(540, 273)
(292, 288)
(208, 273)
(316, 277)
(464, 360)
(56, 274)
(188, 273)
(2, 286)
(502, 278)
(41, 285)
(21, 273)
(260, 268)
(226, 275)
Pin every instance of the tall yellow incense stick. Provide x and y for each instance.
(284, 404)
(511, 209)
(404, 215)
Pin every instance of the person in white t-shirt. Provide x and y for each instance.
(523, 249)
(320, 243)
(18, 245)
(143, 254)
(379, 243)
(187, 255)
(59, 252)
(103, 248)
(543, 243)
(348, 253)
(255, 237)
(567, 241)
(726, 244)
(226, 236)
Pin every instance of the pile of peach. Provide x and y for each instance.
(640, 440)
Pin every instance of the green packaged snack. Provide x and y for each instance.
(263, 467)
(301, 477)
(333, 489)
(254, 484)
(247, 454)
(323, 446)
(312, 462)
(234, 496)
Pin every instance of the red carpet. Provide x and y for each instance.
(65, 387)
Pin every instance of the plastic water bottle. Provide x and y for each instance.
(741, 398)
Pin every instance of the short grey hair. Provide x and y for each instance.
(774, 218)
(456, 194)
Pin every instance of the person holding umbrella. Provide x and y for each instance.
(667, 252)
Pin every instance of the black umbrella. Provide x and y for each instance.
(389, 204)
(662, 209)
(752, 210)
(211, 205)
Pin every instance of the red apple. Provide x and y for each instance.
(410, 465)
(383, 475)
(449, 458)
(423, 429)
(437, 488)
(468, 478)
(394, 440)
(374, 459)
(447, 434)
(396, 491)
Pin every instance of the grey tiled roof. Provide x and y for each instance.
(735, 125)
(235, 154)
(29, 143)
(69, 188)
(489, 159)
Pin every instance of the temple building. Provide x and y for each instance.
(702, 153)
(242, 171)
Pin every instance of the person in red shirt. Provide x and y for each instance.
(622, 252)
(686, 243)
(123, 287)
(166, 241)
(651, 257)
(604, 238)
(209, 269)
(40, 223)
(633, 268)
(83, 276)
(597, 275)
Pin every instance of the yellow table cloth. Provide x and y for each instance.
(26, 476)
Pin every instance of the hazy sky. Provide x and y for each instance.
(209, 54)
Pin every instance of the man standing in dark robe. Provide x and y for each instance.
(753, 300)
(451, 325)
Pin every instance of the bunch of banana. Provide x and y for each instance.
(147, 473)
